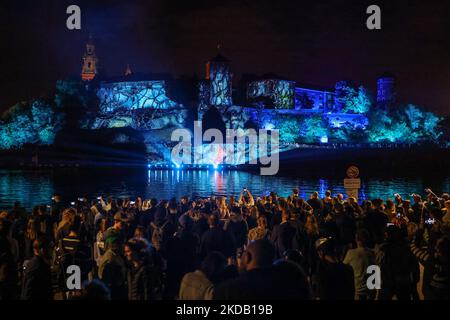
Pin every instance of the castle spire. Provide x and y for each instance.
(128, 70)
(90, 61)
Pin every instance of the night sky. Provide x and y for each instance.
(316, 42)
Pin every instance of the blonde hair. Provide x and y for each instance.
(311, 225)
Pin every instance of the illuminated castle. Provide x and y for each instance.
(272, 94)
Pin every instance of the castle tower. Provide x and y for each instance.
(218, 72)
(90, 61)
(386, 95)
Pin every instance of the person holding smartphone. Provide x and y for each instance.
(246, 198)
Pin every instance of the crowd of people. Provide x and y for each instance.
(221, 248)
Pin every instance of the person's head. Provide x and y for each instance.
(290, 281)
(411, 229)
(213, 221)
(130, 252)
(42, 210)
(259, 254)
(362, 238)
(221, 203)
(406, 204)
(4, 215)
(118, 221)
(57, 198)
(339, 208)
(447, 205)
(262, 222)
(328, 194)
(184, 200)
(352, 201)
(295, 192)
(285, 215)
(40, 246)
(153, 203)
(378, 204)
(185, 222)
(390, 205)
(393, 234)
(442, 250)
(340, 197)
(114, 243)
(139, 232)
(326, 248)
(311, 225)
(213, 266)
(315, 195)
(173, 205)
(436, 213)
(417, 198)
(135, 250)
(236, 211)
(32, 229)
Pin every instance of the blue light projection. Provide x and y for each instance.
(220, 79)
(203, 96)
(313, 100)
(279, 92)
(134, 95)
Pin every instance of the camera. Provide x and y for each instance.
(430, 221)
(99, 198)
(132, 202)
(72, 203)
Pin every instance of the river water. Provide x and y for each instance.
(37, 187)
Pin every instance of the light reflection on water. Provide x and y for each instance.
(31, 188)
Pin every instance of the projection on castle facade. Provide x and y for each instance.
(279, 93)
(133, 96)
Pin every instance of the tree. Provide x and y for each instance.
(408, 125)
(289, 130)
(313, 128)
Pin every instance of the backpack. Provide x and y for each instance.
(158, 235)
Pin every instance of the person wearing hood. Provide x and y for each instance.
(238, 229)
